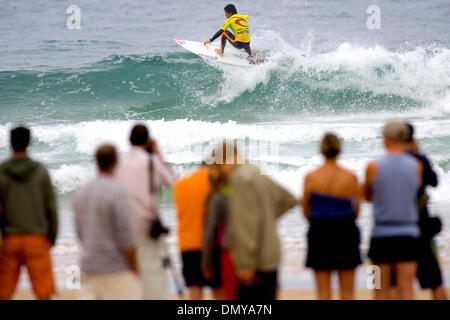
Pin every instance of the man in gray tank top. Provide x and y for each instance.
(391, 184)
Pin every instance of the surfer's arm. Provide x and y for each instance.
(221, 30)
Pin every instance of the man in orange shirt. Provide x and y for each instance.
(191, 195)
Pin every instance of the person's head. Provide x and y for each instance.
(410, 137)
(106, 158)
(330, 146)
(139, 136)
(230, 9)
(395, 135)
(20, 139)
(224, 158)
(411, 142)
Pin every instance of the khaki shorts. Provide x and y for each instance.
(112, 286)
(153, 276)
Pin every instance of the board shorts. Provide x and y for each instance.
(393, 249)
(192, 270)
(33, 251)
(227, 35)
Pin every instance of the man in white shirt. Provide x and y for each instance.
(141, 171)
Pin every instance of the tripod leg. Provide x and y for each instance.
(168, 264)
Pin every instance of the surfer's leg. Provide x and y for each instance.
(223, 42)
(248, 49)
(251, 57)
(244, 46)
(226, 35)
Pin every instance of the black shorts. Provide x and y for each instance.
(192, 270)
(393, 249)
(428, 270)
(264, 288)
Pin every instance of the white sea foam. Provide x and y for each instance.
(85, 136)
(68, 178)
(421, 74)
(182, 141)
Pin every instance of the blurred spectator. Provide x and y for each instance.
(216, 238)
(191, 194)
(142, 172)
(108, 260)
(255, 204)
(30, 222)
(428, 269)
(331, 204)
(392, 183)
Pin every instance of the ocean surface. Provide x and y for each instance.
(327, 71)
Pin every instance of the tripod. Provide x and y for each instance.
(167, 264)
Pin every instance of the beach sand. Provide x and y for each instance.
(287, 294)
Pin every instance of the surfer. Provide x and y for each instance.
(241, 37)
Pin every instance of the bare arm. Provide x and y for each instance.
(371, 172)
(419, 169)
(306, 193)
(356, 195)
(130, 255)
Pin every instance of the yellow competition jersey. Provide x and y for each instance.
(238, 23)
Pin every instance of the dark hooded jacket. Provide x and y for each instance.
(28, 199)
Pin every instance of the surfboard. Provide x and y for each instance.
(231, 55)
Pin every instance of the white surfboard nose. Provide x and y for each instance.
(180, 41)
(231, 55)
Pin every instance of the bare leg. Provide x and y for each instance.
(385, 274)
(439, 293)
(394, 293)
(406, 273)
(219, 52)
(195, 293)
(323, 279)
(218, 293)
(346, 281)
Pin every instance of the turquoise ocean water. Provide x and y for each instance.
(327, 71)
